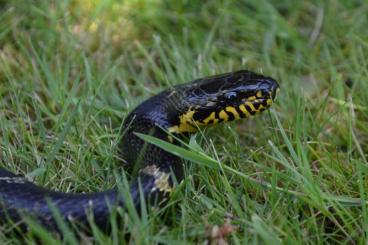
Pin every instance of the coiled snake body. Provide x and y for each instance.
(177, 110)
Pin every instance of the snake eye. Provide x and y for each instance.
(230, 95)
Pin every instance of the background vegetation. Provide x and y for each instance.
(70, 71)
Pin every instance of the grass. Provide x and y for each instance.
(70, 71)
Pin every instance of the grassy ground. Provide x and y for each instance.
(71, 70)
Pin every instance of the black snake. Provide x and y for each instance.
(179, 110)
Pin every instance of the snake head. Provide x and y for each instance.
(236, 86)
(225, 97)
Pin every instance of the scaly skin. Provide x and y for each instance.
(178, 110)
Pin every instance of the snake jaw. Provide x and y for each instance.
(193, 118)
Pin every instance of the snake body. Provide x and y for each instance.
(179, 110)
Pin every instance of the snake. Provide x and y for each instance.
(175, 112)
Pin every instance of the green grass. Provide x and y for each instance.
(71, 71)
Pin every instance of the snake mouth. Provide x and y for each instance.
(274, 90)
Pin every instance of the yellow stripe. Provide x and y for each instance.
(244, 110)
(212, 116)
(223, 115)
(251, 98)
(252, 108)
(184, 124)
(233, 111)
(182, 128)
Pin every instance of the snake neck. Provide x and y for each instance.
(154, 117)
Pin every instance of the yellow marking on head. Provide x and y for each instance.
(261, 107)
(185, 124)
(252, 108)
(212, 117)
(223, 115)
(259, 94)
(244, 110)
(233, 111)
(188, 125)
(251, 98)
